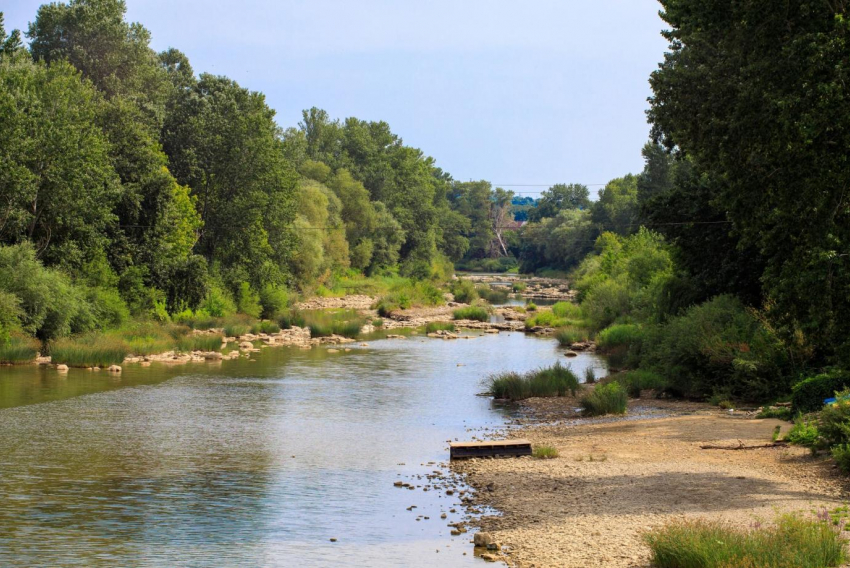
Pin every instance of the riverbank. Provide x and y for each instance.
(616, 479)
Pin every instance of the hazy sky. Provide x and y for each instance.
(531, 92)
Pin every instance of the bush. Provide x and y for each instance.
(780, 413)
(566, 336)
(718, 346)
(265, 326)
(149, 338)
(273, 300)
(619, 335)
(236, 328)
(804, 433)
(291, 318)
(808, 395)
(434, 326)
(248, 301)
(531, 307)
(499, 265)
(793, 542)
(378, 322)
(546, 318)
(636, 381)
(464, 291)
(546, 382)
(217, 302)
(471, 313)
(519, 287)
(609, 398)
(545, 452)
(567, 310)
(92, 350)
(18, 349)
(835, 420)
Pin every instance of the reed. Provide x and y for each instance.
(609, 398)
(476, 313)
(553, 381)
(90, 350)
(324, 323)
(200, 342)
(19, 349)
(435, 326)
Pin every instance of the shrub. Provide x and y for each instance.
(545, 452)
(519, 287)
(18, 349)
(639, 380)
(780, 413)
(619, 335)
(200, 342)
(92, 350)
(546, 318)
(552, 381)
(147, 338)
(273, 300)
(834, 424)
(471, 313)
(378, 322)
(236, 329)
(841, 455)
(566, 336)
(435, 326)
(217, 302)
(804, 433)
(531, 307)
(248, 301)
(609, 398)
(347, 323)
(792, 542)
(493, 295)
(291, 318)
(464, 291)
(589, 376)
(808, 395)
(107, 306)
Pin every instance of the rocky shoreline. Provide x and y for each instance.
(614, 479)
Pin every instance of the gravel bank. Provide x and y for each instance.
(614, 480)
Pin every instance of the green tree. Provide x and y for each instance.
(559, 197)
(757, 98)
(11, 43)
(57, 186)
(617, 207)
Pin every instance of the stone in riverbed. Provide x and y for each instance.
(114, 369)
(489, 557)
(62, 367)
(482, 539)
(571, 354)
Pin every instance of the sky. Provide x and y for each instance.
(522, 94)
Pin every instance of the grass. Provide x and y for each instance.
(476, 313)
(199, 342)
(90, 350)
(493, 295)
(291, 318)
(779, 412)
(324, 323)
(636, 381)
(435, 326)
(19, 349)
(589, 376)
(519, 287)
(148, 338)
(567, 310)
(570, 334)
(792, 542)
(609, 398)
(265, 326)
(531, 307)
(556, 380)
(545, 452)
(404, 294)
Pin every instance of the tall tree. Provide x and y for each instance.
(559, 197)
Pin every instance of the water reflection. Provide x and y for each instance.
(246, 463)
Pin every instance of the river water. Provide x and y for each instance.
(249, 463)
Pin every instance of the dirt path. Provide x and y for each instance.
(615, 480)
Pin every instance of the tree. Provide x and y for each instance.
(559, 197)
(57, 185)
(617, 207)
(756, 98)
(9, 44)
(223, 143)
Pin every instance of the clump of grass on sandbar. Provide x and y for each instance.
(610, 398)
(792, 542)
(324, 323)
(475, 313)
(18, 349)
(570, 334)
(90, 350)
(553, 381)
(434, 326)
(545, 452)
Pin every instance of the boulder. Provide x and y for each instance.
(213, 356)
(489, 557)
(482, 539)
(246, 345)
(62, 367)
(571, 354)
(114, 369)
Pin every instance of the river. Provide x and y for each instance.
(249, 462)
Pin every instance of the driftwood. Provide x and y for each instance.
(741, 446)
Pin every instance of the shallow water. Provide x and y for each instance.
(248, 463)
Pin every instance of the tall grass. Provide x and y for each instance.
(19, 349)
(471, 313)
(493, 295)
(519, 286)
(464, 291)
(405, 294)
(265, 326)
(91, 350)
(567, 310)
(200, 342)
(556, 380)
(619, 335)
(149, 338)
(291, 318)
(545, 452)
(636, 381)
(324, 323)
(435, 326)
(609, 398)
(792, 542)
(566, 336)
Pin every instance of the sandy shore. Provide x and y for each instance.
(614, 480)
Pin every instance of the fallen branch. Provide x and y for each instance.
(741, 446)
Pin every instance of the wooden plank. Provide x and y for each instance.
(464, 450)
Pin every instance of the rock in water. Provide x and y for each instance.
(114, 369)
(482, 539)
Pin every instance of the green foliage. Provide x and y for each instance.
(805, 433)
(558, 198)
(567, 310)
(18, 349)
(639, 380)
(834, 423)
(780, 413)
(476, 313)
(619, 336)
(560, 242)
(492, 295)
(556, 380)
(610, 398)
(90, 350)
(548, 318)
(218, 302)
(273, 300)
(291, 318)
(434, 326)
(200, 342)
(808, 395)
(264, 326)
(570, 334)
(545, 452)
(248, 301)
(791, 542)
(464, 291)
(324, 323)
(497, 265)
(519, 287)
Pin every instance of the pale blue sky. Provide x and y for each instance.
(531, 92)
